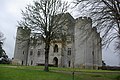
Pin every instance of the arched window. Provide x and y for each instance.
(56, 48)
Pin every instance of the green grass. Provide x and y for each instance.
(8, 72)
(28, 74)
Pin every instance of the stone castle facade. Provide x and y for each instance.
(82, 48)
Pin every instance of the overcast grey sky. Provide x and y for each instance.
(10, 13)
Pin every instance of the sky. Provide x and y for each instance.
(10, 14)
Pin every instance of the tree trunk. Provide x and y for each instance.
(47, 46)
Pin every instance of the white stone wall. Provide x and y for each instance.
(82, 28)
(84, 41)
(87, 50)
(37, 59)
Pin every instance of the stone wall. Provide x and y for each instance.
(83, 41)
(22, 45)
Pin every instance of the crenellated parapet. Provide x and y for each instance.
(27, 29)
(83, 23)
(84, 19)
(23, 32)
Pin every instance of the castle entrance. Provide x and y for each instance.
(55, 61)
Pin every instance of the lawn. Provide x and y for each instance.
(8, 72)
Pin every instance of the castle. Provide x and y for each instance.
(82, 48)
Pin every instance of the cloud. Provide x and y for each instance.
(15, 6)
(110, 57)
(9, 15)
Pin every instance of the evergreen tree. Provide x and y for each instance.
(1, 43)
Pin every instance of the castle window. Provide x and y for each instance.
(31, 52)
(22, 62)
(69, 51)
(23, 52)
(69, 63)
(69, 38)
(31, 62)
(38, 52)
(93, 53)
(56, 48)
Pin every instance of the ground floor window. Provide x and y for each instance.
(69, 63)
(31, 62)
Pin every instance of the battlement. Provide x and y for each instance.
(24, 28)
(86, 19)
(23, 31)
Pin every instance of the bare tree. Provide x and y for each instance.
(45, 17)
(106, 18)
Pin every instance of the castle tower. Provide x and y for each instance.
(22, 45)
(85, 53)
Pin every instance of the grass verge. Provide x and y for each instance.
(8, 72)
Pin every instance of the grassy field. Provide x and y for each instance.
(8, 72)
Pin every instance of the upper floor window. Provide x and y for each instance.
(69, 51)
(31, 52)
(56, 48)
(69, 38)
(38, 52)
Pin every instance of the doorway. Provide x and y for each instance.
(55, 61)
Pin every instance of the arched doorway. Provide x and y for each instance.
(55, 61)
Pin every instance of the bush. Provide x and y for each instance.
(5, 61)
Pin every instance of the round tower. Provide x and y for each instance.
(83, 27)
(22, 45)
